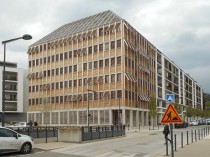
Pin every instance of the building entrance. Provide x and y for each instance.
(116, 117)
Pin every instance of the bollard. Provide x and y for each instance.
(139, 126)
(182, 139)
(187, 138)
(195, 135)
(199, 134)
(46, 134)
(175, 142)
(204, 132)
(192, 136)
(128, 126)
(166, 146)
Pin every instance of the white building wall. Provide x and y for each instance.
(22, 90)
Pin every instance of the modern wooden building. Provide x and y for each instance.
(98, 66)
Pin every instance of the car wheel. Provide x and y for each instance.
(26, 148)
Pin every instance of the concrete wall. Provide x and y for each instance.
(73, 134)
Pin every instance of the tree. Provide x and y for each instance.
(46, 110)
(178, 108)
(189, 112)
(152, 108)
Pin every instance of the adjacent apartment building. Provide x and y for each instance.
(16, 92)
(100, 71)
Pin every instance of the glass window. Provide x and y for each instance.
(112, 77)
(112, 61)
(70, 83)
(90, 65)
(106, 62)
(107, 46)
(112, 44)
(106, 78)
(95, 48)
(75, 53)
(75, 68)
(101, 63)
(100, 47)
(118, 43)
(90, 50)
(70, 54)
(70, 69)
(95, 64)
(118, 77)
(119, 60)
(113, 94)
(6, 133)
(61, 56)
(84, 66)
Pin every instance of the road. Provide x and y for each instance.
(142, 143)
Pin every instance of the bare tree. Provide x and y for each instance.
(153, 109)
(46, 110)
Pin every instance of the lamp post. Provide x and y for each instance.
(88, 122)
(25, 37)
(119, 113)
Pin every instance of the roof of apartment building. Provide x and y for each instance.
(87, 23)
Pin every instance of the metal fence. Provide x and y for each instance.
(99, 132)
(39, 132)
(91, 133)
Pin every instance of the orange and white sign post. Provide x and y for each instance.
(170, 116)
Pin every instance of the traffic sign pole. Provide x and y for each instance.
(172, 141)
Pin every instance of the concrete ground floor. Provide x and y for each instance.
(101, 116)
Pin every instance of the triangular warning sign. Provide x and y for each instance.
(171, 115)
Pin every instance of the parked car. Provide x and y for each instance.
(208, 121)
(181, 125)
(193, 122)
(18, 125)
(201, 122)
(11, 141)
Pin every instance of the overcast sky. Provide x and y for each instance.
(178, 28)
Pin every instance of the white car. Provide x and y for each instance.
(193, 122)
(18, 125)
(11, 141)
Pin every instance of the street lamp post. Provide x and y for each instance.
(119, 113)
(88, 122)
(25, 37)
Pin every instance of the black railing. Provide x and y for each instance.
(38, 132)
(99, 132)
(91, 133)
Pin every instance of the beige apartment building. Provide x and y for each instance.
(98, 66)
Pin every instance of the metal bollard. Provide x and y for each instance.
(166, 146)
(192, 136)
(195, 135)
(206, 132)
(128, 126)
(187, 138)
(182, 139)
(199, 134)
(175, 142)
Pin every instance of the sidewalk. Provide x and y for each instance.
(195, 149)
(199, 148)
